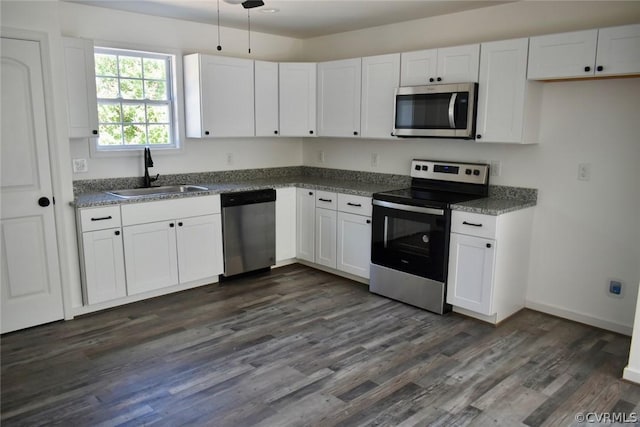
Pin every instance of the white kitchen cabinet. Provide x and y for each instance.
(82, 104)
(508, 104)
(457, 64)
(199, 244)
(380, 78)
(266, 98)
(305, 224)
(101, 254)
(326, 223)
(339, 86)
(297, 90)
(354, 244)
(604, 52)
(285, 223)
(489, 263)
(219, 96)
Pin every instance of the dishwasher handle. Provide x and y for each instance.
(247, 197)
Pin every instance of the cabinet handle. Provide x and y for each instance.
(95, 132)
(325, 200)
(180, 224)
(311, 132)
(275, 132)
(599, 68)
(355, 132)
(368, 221)
(206, 132)
(117, 233)
(587, 69)
(311, 193)
(488, 245)
(431, 79)
(439, 79)
(357, 205)
(392, 134)
(471, 224)
(478, 136)
(102, 218)
(171, 225)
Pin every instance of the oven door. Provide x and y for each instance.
(412, 239)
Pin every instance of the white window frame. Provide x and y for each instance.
(177, 108)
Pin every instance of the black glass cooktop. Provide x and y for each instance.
(427, 198)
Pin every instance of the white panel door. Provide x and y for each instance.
(458, 64)
(266, 81)
(339, 85)
(150, 254)
(285, 223)
(380, 78)
(326, 220)
(305, 224)
(31, 289)
(297, 99)
(103, 265)
(419, 67)
(199, 242)
(618, 50)
(81, 88)
(354, 244)
(565, 55)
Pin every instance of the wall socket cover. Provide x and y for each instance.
(615, 288)
(80, 165)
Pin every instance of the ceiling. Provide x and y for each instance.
(296, 18)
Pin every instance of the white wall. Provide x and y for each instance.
(584, 232)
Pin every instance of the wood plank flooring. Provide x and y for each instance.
(300, 347)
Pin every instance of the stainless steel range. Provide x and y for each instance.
(410, 231)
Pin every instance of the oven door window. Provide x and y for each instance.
(412, 242)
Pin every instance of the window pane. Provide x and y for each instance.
(158, 113)
(135, 135)
(109, 113)
(158, 134)
(133, 113)
(154, 69)
(107, 87)
(155, 90)
(110, 135)
(131, 89)
(130, 67)
(106, 65)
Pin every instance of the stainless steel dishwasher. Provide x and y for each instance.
(248, 231)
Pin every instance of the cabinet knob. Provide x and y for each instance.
(117, 232)
(311, 193)
(587, 69)
(431, 79)
(310, 132)
(95, 132)
(275, 132)
(488, 245)
(478, 136)
(439, 79)
(599, 68)
(171, 225)
(355, 132)
(368, 221)
(206, 132)
(180, 224)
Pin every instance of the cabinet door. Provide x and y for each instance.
(418, 68)
(458, 64)
(227, 96)
(285, 223)
(266, 81)
(297, 99)
(199, 243)
(618, 50)
(305, 224)
(564, 55)
(380, 78)
(151, 260)
(501, 92)
(339, 85)
(326, 237)
(354, 244)
(103, 265)
(82, 104)
(471, 266)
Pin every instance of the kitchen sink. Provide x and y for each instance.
(156, 191)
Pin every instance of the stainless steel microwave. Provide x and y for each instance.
(436, 111)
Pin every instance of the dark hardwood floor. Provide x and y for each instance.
(302, 347)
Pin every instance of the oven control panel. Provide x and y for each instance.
(472, 173)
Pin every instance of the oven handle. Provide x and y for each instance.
(408, 208)
(452, 106)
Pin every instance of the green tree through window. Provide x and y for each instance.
(135, 99)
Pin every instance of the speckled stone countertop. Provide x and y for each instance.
(91, 193)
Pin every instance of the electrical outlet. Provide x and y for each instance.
(229, 158)
(80, 165)
(584, 171)
(496, 167)
(375, 160)
(615, 287)
(321, 156)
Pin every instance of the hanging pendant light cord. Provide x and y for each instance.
(249, 27)
(219, 46)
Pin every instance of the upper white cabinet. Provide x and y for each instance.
(297, 99)
(458, 64)
(508, 104)
(380, 78)
(604, 52)
(219, 96)
(339, 85)
(266, 93)
(82, 105)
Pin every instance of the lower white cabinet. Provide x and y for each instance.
(305, 224)
(103, 262)
(199, 243)
(489, 263)
(326, 237)
(285, 223)
(354, 244)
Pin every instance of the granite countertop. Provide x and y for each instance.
(493, 206)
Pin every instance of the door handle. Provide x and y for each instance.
(44, 202)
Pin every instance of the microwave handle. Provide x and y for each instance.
(452, 109)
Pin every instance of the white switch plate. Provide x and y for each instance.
(229, 158)
(321, 156)
(80, 165)
(584, 171)
(496, 168)
(375, 160)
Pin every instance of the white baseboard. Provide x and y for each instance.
(580, 317)
(631, 374)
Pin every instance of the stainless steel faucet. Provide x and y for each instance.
(148, 163)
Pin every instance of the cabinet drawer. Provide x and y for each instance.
(326, 200)
(473, 224)
(358, 205)
(100, 218)
(163, 210)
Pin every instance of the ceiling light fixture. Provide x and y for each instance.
(219, 46)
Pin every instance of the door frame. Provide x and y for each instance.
(55, 162)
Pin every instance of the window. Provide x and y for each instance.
(136, 105)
